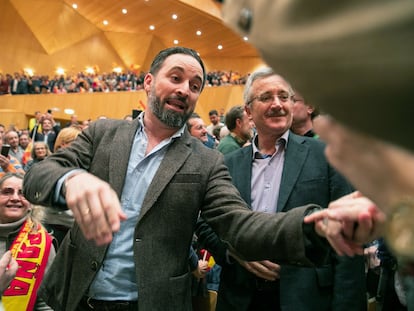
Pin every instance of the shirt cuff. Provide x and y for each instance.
(58, 197)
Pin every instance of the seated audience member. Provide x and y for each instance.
(303, 115)
(216, 134)
(224, 131)
(9, 164)
(36, 120)
(66, 136)
(50, 129)
(40, 151)
(197, 129)
(12, 138)
(21, 232)
(240, 128)
(73, 121)
(2, 131)
(215, 121)
(57, 221)
(85, 124)
(4, 85)
(24, 140)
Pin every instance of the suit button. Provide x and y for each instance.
(94, 265)
(245, 19)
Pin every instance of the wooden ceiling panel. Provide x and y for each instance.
(204, 16)
(55, 25)
(50, 29)
(131, 48)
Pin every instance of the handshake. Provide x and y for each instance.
(348, 223)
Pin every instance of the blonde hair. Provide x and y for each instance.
(33, 152)
(66, 136)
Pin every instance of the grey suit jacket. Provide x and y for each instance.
(307, 178)
(191, 178)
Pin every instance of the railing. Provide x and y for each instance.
(18, 109)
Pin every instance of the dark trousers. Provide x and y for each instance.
(266, 297)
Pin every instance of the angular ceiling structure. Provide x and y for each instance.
(56, 31)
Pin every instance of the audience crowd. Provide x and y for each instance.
(22, 83)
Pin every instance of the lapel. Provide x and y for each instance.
(120, 151)
(240, 169)
(175, 157)
(295, 156)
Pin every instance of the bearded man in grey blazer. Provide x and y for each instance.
(136, 189)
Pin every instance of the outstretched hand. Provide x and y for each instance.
(95, 206)
(348, 223)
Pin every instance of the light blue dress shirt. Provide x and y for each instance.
(266, 176)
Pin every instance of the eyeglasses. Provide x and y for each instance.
(268, 97)
(10, 192)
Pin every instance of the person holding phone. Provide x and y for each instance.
(8, 163)
(50, 130)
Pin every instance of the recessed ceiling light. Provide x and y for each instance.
(151, 27)
(174, 16)
(75, 6)
(198, 33)
(105, 22)
(124, 11)
(175, 41)
(220, 47)
(69, 111)
(60, 71)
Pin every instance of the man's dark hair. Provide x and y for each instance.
(213, 112)
(236, 112)
(162, 55)
(193, 116)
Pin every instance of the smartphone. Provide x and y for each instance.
(5, 150)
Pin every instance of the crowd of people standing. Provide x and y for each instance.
(22, 83)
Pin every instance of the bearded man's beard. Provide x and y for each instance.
(170, 118)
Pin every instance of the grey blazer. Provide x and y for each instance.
(190, 179)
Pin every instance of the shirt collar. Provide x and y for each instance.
(177, 134)
(281, 141)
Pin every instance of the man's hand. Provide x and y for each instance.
(8, 269)
(95, 206)
(348, 223)
(264, 269)
(201, 270)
